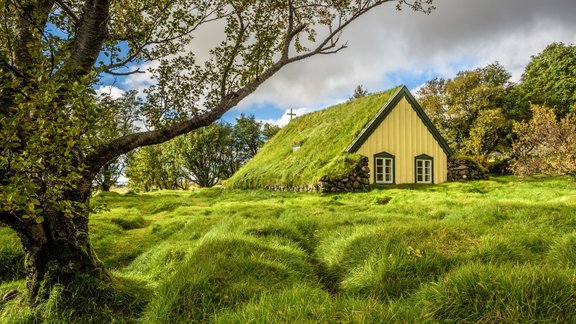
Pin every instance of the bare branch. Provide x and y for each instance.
(125, 73)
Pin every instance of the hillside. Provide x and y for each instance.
(502, 250)
(322, 136)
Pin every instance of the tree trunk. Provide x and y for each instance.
(57, 251)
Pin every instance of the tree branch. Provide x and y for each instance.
(104, 153)
(234, 54)
(124, 73)
(91, 33)
(67, 10)
(33, 15)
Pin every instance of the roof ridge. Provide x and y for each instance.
(383, 113)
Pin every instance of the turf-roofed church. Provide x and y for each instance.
(382, 138)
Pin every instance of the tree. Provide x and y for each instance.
(53, 52)
(269, 130)
(462, 107)
(247, 134)
(121, 118)
(545, 145)
(155, 167)
(205, 154)
(485, 134)
(359, 92)
(550, 79)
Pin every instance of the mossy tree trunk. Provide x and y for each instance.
(57, 249)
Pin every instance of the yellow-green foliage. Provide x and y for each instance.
(323, 136)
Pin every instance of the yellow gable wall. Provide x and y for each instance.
(403, 134)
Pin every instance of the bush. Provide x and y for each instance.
(499, 166)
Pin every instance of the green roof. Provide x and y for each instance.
(323, 137)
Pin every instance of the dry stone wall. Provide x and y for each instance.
(357, 180)
(465, 170)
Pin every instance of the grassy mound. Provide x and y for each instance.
(223, 273)
(479, 293)
(487, 251)
(322, 136)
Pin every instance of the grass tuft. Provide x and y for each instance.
(478, 293)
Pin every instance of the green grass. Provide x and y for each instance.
(331, 129)
(502, 250)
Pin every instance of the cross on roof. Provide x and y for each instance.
(291, 114)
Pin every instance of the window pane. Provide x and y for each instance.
(378, 162)
(388, 178)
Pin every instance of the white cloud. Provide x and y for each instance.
(112, 91)
(141, 81)
(285, 119)
(459, 35)
(387, 47)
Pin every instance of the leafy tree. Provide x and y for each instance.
(545, 145)
(52, 52)
(247, 136)
(485, 133)
(121, 118)
(461, 108)
(269, 130)
(550, 79)
(155, 167)
(205, 154)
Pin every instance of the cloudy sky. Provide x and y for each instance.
(388, 48)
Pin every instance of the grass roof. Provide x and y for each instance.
(323, 137)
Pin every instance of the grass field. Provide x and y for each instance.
(498, 251)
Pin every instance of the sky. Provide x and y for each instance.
(387, 48)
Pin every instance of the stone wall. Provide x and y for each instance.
(357, 180)
(465, 170)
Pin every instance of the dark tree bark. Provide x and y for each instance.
(58, 249)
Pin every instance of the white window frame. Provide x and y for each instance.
(424, 170)
(386, 176)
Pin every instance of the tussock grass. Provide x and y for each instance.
(501, 250)
(478, 293)
(223, 273)
(563, 251)
(11, 257)
(303, 304)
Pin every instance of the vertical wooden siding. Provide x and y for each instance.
(404, 135)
